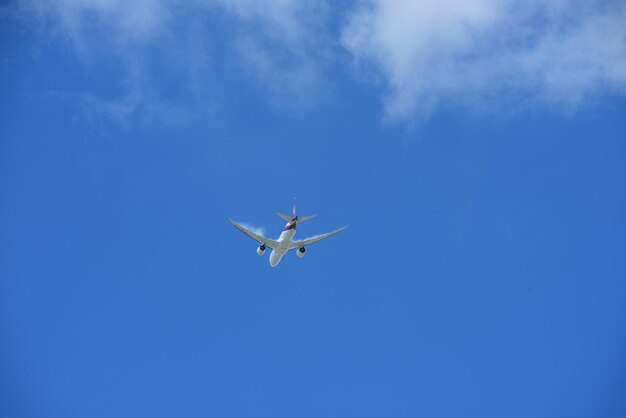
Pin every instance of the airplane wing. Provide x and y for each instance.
(311, 240)
(258, 238)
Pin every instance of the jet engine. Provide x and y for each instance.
(300, 252)
(261, 249)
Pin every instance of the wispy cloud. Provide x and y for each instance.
(283, 45)
(485, 52)
(424, 54)
(152, 43)
(81, 21)
(132, 46)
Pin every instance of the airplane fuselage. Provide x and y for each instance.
(284, 243)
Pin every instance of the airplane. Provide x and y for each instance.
(285, 242)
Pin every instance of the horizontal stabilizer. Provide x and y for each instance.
(305, 218)
(285, 217)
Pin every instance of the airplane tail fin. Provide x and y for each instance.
(294, 215)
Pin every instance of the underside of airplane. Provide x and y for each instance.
(285, 242)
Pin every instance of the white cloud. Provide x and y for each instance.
(283, 45)
(133, 22)
(471, 53)
(486, 52)
(274, 42)
(123, 40)
(568, 65)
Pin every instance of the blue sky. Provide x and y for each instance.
(477, 152)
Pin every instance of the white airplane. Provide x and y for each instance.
(285, 242)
